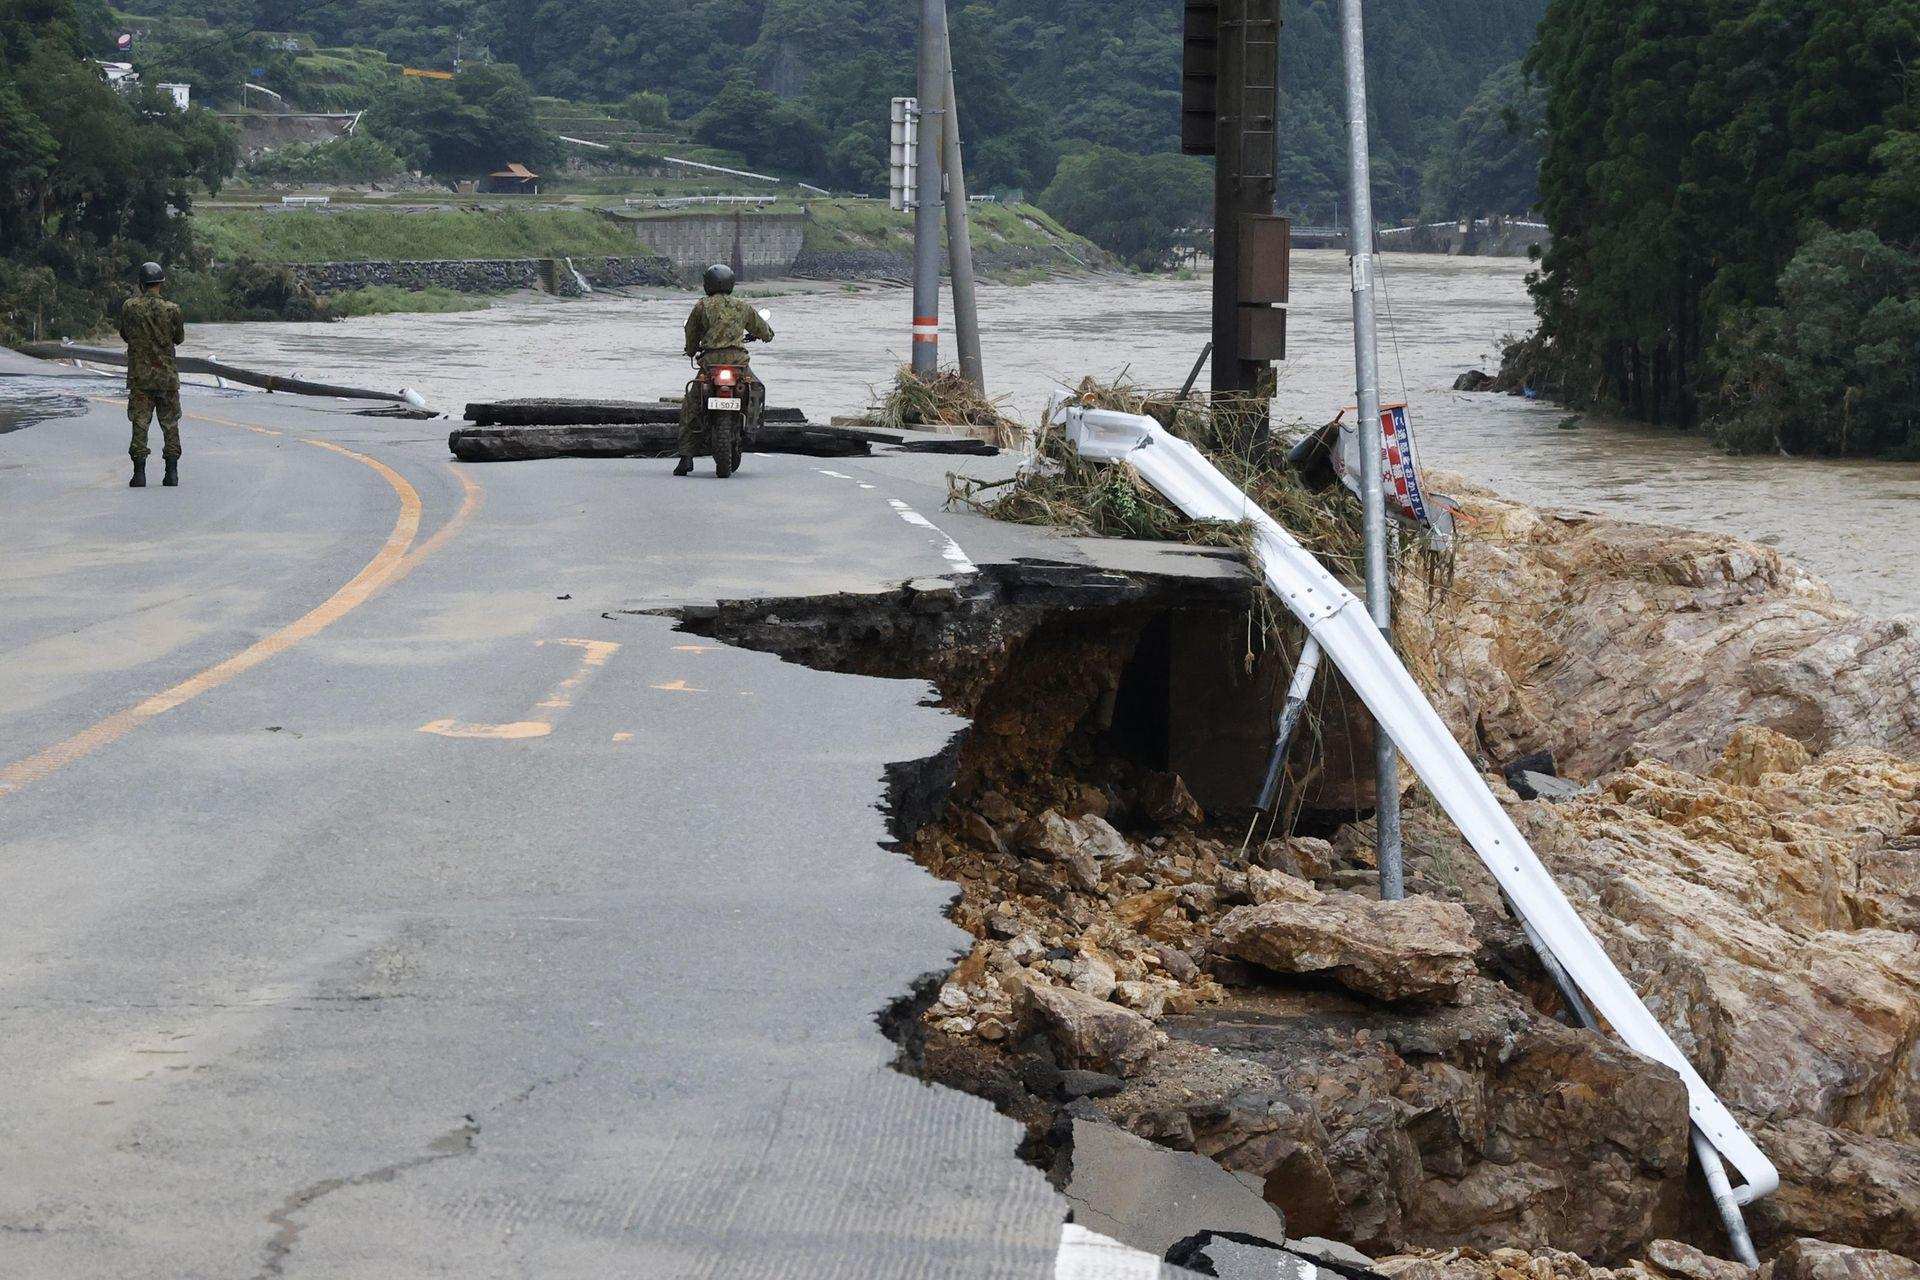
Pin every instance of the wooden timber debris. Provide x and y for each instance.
(548, 412)
(641, 440)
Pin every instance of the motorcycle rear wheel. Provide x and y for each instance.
(726, 449)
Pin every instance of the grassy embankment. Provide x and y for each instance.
(871, 225)
(379, 235)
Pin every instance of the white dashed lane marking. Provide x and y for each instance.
(949, 549)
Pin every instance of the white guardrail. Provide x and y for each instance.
(1339, 621)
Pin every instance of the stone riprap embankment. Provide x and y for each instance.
(485, 275)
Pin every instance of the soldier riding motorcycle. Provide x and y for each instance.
(724, 398)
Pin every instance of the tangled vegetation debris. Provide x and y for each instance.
(946, 400)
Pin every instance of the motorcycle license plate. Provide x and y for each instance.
(724, 404)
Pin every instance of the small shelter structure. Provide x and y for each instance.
(515, 179)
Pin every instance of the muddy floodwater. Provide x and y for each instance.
(1855, 523)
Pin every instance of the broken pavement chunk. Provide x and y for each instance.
(1151, 1197)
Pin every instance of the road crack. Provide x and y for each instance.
(451, 1145)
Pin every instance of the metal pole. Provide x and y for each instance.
(1366, 365)
(927, 216)
(966, 310)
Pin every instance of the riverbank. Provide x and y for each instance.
(489, 251)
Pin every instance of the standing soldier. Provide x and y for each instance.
(153, 327)
(717, 333)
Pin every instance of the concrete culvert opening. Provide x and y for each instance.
(1142, 972)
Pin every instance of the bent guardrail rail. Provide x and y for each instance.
(1335, 618)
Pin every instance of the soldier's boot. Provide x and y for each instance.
(172, 479)
(685, 468)
(139, 480)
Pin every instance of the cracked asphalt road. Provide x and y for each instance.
(291, 987)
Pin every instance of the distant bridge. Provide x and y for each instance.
(1510, 236)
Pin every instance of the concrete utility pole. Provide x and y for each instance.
(927, 216)
(966, 309)
(1366, 368)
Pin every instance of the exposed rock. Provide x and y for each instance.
(1483, 1123)
(1087, 846)
(1768, 911)
(1684, 1262)
(1474, 380)
(1165, 801)
(1088, 1033)
(1609, 642)
(1091, 975)
(1840, 1185)
(1089, 1084)
(1416, 949)
(1818, 1260)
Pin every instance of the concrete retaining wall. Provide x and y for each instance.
(874, 264)
(769, 243)
(484, 275)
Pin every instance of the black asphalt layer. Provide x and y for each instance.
(444, 919)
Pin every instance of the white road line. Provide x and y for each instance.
(837, 475)
(950, 550)
(1087, 1255)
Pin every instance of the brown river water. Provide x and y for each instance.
(1854, 523)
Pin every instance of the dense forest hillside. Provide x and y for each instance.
(1039, 78)
(1734, 191)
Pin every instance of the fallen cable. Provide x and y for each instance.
(269, 382)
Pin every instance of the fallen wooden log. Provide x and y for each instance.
(640, 440)
(548, 412)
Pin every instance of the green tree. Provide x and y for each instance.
(1135, 206)
(1835, 368)
(480, 120)
(645, 107)
(1490, 161)
(1692, 145)
(99, 180)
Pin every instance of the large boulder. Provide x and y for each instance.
(1087, 1032)
(1414, 949)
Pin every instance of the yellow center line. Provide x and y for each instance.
(391, 562)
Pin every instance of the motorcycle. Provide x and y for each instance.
(725, 393)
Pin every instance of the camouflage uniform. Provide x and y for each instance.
(153, 327)
(717, 333)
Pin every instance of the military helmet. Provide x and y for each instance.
(718, 279)
(152, 273)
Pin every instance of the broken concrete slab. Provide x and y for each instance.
(1152, 1197)
(1235, 1255)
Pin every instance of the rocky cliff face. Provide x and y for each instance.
(1608, 642)
(1747, 848)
